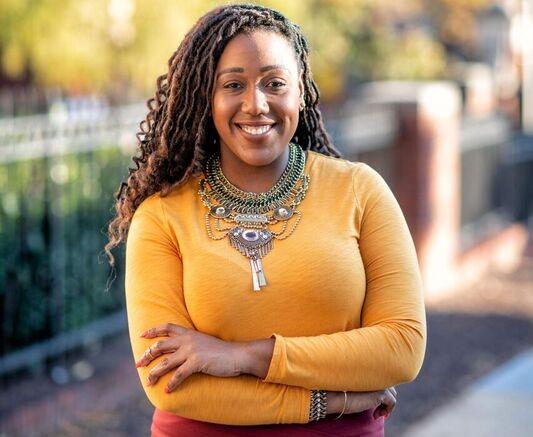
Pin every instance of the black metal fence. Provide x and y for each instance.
(58, 173)
(494, 177)
(53, 217)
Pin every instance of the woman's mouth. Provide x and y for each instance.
(256, 131)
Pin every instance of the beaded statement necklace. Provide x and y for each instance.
(246, 217)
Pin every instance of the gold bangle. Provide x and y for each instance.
(343, 408)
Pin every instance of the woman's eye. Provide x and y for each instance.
(231, 87)
(235, 85)
(278, 84)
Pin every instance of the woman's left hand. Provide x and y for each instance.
(189, 351)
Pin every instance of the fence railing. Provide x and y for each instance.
(366, 133)
(64, 132)
(58, 175)
(487, 176)
(53, 215)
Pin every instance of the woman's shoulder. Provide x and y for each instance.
(340, 166)
(149, 207)
(155, 201)
(364, 177)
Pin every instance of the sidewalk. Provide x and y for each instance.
(500, 404)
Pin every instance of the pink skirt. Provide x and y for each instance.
(362, 424)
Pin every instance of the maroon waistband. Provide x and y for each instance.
(165, 424)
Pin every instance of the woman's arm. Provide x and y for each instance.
(389, 347)
(154, 296)
(256, 356)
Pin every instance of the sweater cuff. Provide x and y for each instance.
(278, 357)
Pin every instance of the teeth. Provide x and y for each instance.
(256, 130)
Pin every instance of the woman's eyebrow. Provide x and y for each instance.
(273, 67)
(241, 70)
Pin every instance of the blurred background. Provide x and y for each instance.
(437, 96)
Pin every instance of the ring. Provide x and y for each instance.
(149, 353)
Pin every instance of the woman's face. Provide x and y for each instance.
(256, 97)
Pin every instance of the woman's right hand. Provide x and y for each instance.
(382, 401)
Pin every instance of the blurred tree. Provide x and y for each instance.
(110, 46)
(454, 23)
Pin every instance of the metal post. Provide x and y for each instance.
(526, 30)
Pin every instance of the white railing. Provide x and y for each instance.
(69, 132)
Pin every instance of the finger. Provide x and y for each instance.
(183, 371)
(158, 348)
(163, 330)
(392, 393)
(380, 399)
(388, 402)
(380, 411)
(164, 366)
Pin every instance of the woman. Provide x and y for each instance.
(272, 287)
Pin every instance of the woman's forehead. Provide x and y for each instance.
(256, 51)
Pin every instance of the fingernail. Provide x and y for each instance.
(143, 334)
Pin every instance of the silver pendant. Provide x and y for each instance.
(254, 244)
(256, 219)
(283, 213)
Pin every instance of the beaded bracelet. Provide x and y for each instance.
(318, 405)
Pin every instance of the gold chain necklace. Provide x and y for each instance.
(249, 214)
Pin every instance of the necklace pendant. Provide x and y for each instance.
(283, 213)
(219, 211)
(252, 213)
(254, 244)
(257, 266)
(258, 276)
(256, 219)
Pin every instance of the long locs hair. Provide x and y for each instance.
(178, 134)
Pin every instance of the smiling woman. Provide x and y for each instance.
(256, 102)
(272, 287)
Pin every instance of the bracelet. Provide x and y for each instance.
(318, 405)
(343, 408)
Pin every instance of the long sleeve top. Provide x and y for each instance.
(343, 300)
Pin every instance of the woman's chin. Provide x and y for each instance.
(259, 157)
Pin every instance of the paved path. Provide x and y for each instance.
(499, 405)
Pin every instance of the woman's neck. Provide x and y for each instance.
(252, 178)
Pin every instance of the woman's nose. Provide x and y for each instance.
(255, 101)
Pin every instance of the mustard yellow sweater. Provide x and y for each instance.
(343, 300)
